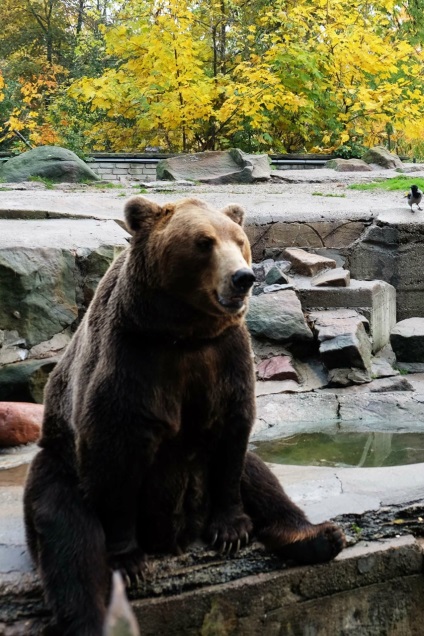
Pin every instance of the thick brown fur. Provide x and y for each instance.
(147, 419)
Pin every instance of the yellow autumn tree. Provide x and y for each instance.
(347, 58)
(168, 88)
(270, 75)
(295, 74)
(28, 120)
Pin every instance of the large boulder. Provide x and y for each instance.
(407, 340)
(278, 316)
(343, 341)
(221, 166)
(48, 272)
(348, 165)
(25, 381)
(47, 162)
(380, 156)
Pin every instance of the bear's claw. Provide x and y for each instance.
(229, 534)
(132, 565)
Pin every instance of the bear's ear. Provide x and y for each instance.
(235, 212)
(142, 214)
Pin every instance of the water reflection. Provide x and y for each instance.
(345, 449)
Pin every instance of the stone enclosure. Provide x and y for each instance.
(358, 273)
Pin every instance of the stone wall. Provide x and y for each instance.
(115, 171)
(370, 249)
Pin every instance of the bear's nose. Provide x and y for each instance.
(243, 279)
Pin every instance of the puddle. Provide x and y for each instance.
(344, 449)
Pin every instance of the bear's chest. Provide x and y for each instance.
(199, 382)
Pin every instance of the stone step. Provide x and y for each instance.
(376, 300)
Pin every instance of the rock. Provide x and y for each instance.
(47, 162)
(308, 264)
(25, 381)
(407, 340)
(328, 323)
(277, 368)
(264, 349)
(312, 373)
(375, 299)
(277, 316)
(270, 289)
(287, 415)
(343, 340)
(92, 265)
(382, 157)
(383, 409)
(411, 367)
(347, 350)
(258, 288)
(348, 165)
(262, 269)
(381, 368)
(20, 423)
(221, 166)
(8, 355)
(48, 272)
(284, 266)
(337, 277)
(12, 347)
(37, 291)
(272, 387)
(52, 347)
(346, 377)
(384, 385)
(276, 276)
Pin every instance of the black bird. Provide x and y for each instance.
(415, 196)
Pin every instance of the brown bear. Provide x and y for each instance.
(147, 419)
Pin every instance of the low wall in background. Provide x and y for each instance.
(116, 167)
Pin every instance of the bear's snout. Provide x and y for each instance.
(243, 279)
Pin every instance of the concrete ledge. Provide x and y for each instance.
(372, 588)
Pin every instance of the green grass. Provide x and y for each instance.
(47, 182)
(321, 194)
(402, 182)
(108, 185)
(403, 371)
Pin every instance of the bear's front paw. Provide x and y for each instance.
(132, 565)
(229, 532)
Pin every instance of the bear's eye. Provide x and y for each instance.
(205, 244)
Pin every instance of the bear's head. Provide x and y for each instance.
(194, 252)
